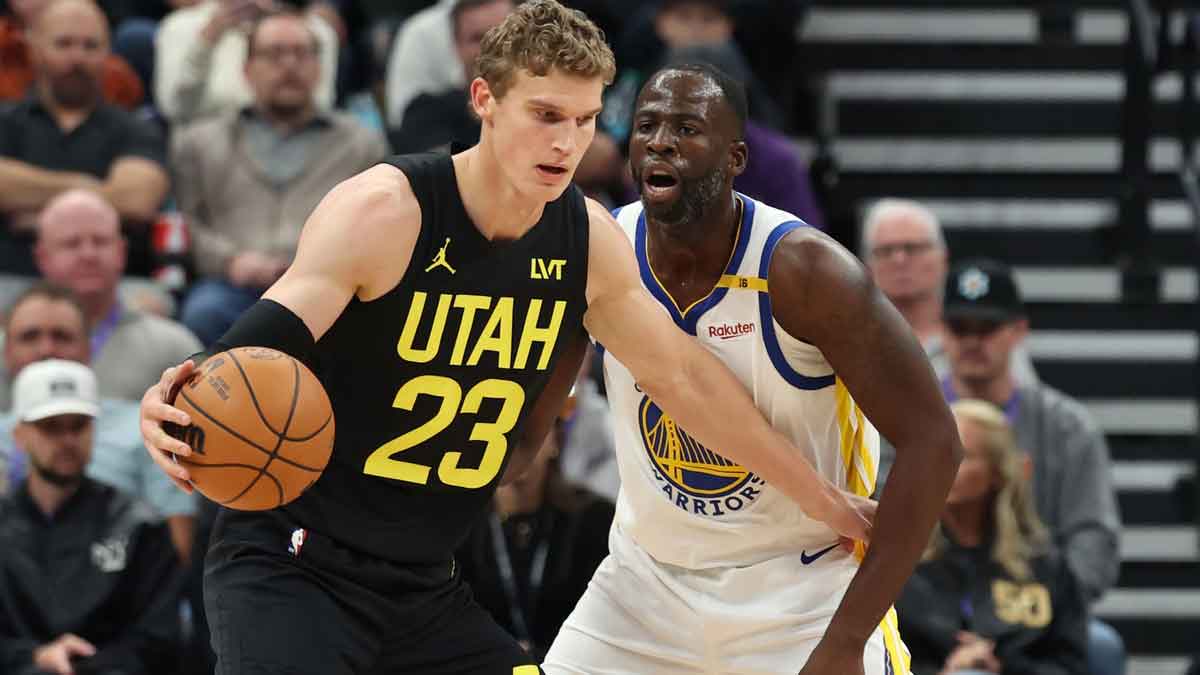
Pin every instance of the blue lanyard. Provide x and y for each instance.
(104, 330)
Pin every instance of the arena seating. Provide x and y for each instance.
(1009, 127)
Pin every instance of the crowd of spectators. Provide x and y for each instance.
(157, 161)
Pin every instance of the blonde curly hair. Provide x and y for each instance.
(540, 36)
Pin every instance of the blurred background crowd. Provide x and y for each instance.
(1016, 175)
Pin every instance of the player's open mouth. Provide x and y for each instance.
(658, 184)
(552, 170)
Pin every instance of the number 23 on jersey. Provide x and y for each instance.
(382, 462)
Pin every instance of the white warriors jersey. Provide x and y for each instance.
(688, 505)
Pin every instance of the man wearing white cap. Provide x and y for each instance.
(88, 576)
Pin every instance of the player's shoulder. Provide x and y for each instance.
(603, 226)
(805, 252)
(380, 196)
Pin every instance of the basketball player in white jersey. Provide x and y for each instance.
(711, 569)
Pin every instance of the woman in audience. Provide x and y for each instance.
(990, 597)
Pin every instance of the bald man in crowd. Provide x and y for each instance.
(80, 246)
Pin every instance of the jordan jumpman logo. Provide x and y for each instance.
(439, 260)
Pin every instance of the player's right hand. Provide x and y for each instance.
(155, 410)
(55, 657)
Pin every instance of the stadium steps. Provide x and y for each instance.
(1014, 141)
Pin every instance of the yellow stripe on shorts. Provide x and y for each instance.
(526, 670)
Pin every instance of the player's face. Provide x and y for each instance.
(82, 249)
(41, 328)
(976, 477)
(979, 349)
(59, 447)
(905, 258)
(540, 129)
(684, 150)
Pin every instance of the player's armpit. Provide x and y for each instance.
(358, 241)
(820, 293)
(692, 385)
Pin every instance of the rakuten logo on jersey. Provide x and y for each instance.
(728, 331)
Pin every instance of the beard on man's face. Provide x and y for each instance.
(55, 477)
(75, 89)
(696, 196)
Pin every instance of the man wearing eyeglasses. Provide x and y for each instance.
(246, 181)
(903, 245)
(1068, 458)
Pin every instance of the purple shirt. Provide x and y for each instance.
(776, 176)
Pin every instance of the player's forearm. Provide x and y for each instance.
(911, 504)
(24, 187)
(705, 398)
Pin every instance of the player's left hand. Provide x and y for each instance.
(828, 658)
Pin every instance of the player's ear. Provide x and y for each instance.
(482, 100)
(739, 155)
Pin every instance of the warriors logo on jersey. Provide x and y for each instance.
(693, 477)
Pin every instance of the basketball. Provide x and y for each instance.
(262, 428)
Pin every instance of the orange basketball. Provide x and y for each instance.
(262, 428)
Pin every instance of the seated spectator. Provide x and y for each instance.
(120, 85)
(79, 246)
(905, 249)
(437, 116)
(530, 559)
(990, 596)
(202, 51)
(1072, 475)
(48, 322)
(88, 579)
(657, 30)
(66, 136)
(903, 244)
(247, 180)
(422, 61)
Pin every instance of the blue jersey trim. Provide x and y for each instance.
(767, 318)
(688, 319)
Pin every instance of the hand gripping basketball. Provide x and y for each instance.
(261, 427)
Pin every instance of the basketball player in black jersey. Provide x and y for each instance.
(442, 301)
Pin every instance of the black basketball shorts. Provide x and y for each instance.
(281, 602)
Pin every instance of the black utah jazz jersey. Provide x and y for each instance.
(431, 383)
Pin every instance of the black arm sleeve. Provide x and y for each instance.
(269, 324)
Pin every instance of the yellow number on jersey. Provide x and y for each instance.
(382, 463)
(1027, 604)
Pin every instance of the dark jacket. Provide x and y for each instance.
(1039, 626)
(575, 542)
(102, 567)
